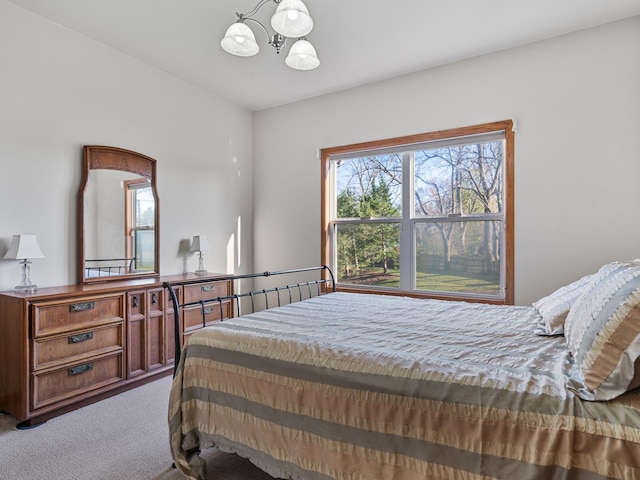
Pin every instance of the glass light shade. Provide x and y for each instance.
(302, 56)
(240, 40)
(292, 19)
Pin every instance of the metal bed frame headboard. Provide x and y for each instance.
(117, 266)
(314, 288)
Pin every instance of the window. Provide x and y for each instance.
(140, 224)
(426, 215)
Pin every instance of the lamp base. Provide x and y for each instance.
(26, 288)
(201, 270)
(25, 284)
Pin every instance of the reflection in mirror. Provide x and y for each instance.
(140, 224)
(118, 216)
(119, 224)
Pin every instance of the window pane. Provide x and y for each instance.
(464, 180)
(369, 187)
(462, 257)
(144, 207)
(369, 254)
(145, 249)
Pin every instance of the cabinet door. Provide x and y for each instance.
(146, 331)
(155, 329)
(136, 333)
(170, 335)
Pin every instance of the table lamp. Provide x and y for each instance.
(24, 247)
(200, 244)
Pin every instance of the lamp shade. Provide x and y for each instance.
(240, 40)
(302, 56)
(23, 247)
(199, 243)
(292, 19)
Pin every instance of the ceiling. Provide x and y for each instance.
(358, 41)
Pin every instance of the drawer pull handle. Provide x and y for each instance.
(136, 301)
(154, 298)
(208, 288)
(81, 337)
(81, 307)
(80, 369)
(207, 310)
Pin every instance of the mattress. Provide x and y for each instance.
(355, 386)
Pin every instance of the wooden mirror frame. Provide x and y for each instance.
(113, 158)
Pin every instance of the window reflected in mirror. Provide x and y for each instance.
(140, 224)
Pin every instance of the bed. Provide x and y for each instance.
(359, 386)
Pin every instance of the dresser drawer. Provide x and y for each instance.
(75, 379)
(49, 351)
(50, 318)
(205, 291)
(193, 315)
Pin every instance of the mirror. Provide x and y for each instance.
(118, 216)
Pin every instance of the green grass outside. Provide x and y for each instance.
(438, 281)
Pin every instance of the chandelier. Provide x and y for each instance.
(290, 20)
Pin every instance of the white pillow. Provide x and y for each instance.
(602, 332)
(554, 308)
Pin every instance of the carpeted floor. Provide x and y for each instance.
(123, 437)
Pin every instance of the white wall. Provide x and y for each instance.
(576, 98)
(577, 150)
(59, 91)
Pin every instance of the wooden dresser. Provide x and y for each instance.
(65, 347)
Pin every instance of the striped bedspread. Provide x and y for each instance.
(365, 387)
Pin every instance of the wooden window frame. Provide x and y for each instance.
(326, 198)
